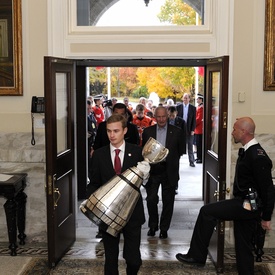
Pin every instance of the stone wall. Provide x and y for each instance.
(17, 155)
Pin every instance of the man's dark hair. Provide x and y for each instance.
(89, 102)
(172, 109)
(120, 106)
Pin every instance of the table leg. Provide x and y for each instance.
(21, 199)
(10, 209)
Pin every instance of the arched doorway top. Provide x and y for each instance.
(98, 8)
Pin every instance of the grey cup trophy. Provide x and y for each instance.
(112, 205)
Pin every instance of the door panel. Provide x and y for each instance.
(214, 171)
(60, 185)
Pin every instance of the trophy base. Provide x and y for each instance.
(98, 221)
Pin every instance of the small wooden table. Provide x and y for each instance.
(12, 188)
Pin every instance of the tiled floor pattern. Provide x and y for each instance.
(187, 205)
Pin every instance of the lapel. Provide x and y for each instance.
(128, 156)
(108, 160)
(154, 131)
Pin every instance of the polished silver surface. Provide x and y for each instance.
(111, 206)
(154, 152)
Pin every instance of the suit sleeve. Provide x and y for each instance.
(183, 139)
(95, 177)
(262, 175)
(181, 142)
(193, 122)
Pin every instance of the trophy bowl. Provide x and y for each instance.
(153, 151)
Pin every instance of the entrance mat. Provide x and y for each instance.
(69, 266)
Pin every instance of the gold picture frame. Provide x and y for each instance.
(269, 57)
(11, 74)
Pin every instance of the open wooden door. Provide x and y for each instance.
(60, 158)
(215, 140)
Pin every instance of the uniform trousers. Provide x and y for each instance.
(131, 250)
(198, 138)
(152, 199)
(245, 222)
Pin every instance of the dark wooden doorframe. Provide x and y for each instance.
(81, 132)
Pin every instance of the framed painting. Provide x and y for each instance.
(269, 57)
(11, 75)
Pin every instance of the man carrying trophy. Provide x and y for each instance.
(108, 164)
(164, 173)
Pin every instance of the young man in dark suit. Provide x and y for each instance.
(188, 112)
(102, 170)
(165, 173)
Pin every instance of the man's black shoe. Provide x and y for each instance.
(163, 235)
(192, 164)
(152, 232)
(184, 258)
(99, 235)
(199, 161)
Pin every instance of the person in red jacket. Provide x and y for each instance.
(199, 127)
(141, 120)
(98, 111)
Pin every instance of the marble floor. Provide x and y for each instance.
(187, 204)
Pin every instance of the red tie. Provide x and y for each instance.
(117, 163)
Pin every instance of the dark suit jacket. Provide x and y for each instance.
(179, 122)
(175, 142)
(101, 138)
(102, 170)
(191, 117)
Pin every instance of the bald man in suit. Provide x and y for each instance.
(165, 173)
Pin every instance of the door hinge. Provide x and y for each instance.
(224, 122)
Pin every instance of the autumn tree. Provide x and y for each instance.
(98, 80)
(128, 79)
(167, 81)
(177, 12)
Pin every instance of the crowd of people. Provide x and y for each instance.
(115, 144)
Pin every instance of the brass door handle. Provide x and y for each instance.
(56, 191)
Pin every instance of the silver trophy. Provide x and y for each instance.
(153, 151)
(112, 205)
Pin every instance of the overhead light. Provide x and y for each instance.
(146, 2)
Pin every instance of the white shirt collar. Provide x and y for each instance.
(250, 143)
(121, 147)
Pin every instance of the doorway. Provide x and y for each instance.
(81, 80)
(67, 71)
(190, 194)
